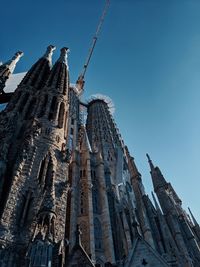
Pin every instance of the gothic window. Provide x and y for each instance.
(65, 83)
(30, 108)
(95, 200)
(49, 174)
(65, 124)
(98, 234)
(42, 169)
(53, 108)
(61, 115)
(25, 207)
(43, 106)
(23, 102)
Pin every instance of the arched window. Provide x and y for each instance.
(65, 85)
(49, 174)
(25, 207)
(42, 170)
(96, 198)
(53, 108)
(43, 106)
(61, 115)
(98, 234)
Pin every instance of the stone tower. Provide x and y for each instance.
(71, 193)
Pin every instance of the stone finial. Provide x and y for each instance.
(150, 162)
(18, 55)
(11, 64)
(49, 52)
(63, 55)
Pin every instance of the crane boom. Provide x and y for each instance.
(80, 81)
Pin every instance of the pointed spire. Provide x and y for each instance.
(7, 69)
(84, 141)
(59, 76)
(49, 52)
(39, 72)
(150, 162)
(11, 64)
(63, 56)
(193, 218)
(156, 175)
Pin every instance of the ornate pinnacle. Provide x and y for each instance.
(11, 64)
(63, 55)
(150, 162)
(49, 52)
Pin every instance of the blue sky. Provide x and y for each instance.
(147, 60)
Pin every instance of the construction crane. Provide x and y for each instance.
(80, 82)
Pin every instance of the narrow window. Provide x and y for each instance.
(65, 85)
(25, 207)
(43, 106)
(41, 171)
(97, 234)
(52, 108)
(61, 115)
(49, 173)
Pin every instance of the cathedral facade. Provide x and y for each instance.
(70, 192)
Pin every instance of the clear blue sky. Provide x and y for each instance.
(147, 60)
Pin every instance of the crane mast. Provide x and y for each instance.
(80, 82)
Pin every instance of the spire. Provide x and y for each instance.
(193, 218)
(150, 162)
(156, 175)
(7, 69)
(59, 77)
(11, 64)
(40, 71)
(63, 56)
(49, 52)
(84, 141)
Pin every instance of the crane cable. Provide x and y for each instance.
(94, 40)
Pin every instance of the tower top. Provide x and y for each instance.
(11, 64)
(49, 52)
(63, 56)
(150, 162)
